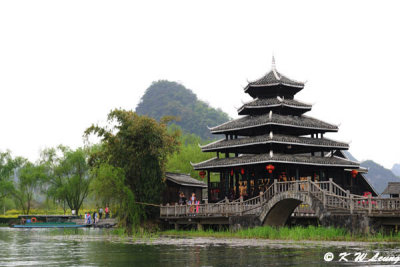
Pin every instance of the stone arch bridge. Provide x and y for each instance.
(326, 201)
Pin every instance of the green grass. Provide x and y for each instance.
(9, 216)
(285, 233)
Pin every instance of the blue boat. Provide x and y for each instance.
(50, 225)
(48, 221)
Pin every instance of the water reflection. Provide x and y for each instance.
(36, 247)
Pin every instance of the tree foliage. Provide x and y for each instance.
(137, 146)
(164, 98)
(7, 167)
(68, 176)
(30, 179)
(189, 151)
(110, 188)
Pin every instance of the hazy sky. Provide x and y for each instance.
(65, 64)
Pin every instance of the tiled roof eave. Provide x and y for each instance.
(196, 167)
(273, 106)
(338, 146)
(273, 123)
(301, 86)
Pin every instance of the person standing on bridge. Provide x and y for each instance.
(193, 202)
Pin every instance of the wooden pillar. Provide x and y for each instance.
(237, 185)
(297, 173)
(228, 175)
(256, 191)
(220, 186)
(208, 186)
(248, 183)
(231, 182)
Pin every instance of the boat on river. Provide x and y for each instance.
(48, 221)
(50, 225)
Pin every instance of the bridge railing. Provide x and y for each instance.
(328, 193)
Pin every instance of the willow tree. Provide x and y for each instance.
(139, 146)
(30, 179)
(7, 167)
(68, 175)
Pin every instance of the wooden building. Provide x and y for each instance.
(274, 140)
(180, 182)
(393, 189)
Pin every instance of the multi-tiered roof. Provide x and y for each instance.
(274, 130)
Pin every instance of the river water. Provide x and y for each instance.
(94, 247)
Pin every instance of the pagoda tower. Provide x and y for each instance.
(274, 140)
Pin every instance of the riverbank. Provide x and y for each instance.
(312, 233)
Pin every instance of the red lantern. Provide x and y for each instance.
(202, 174)
(232, 172)
(354, 173)
(242, 171)
(270, 168)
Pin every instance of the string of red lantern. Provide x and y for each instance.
(354, 173)
(202, 174)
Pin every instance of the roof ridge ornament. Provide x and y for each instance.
(273, 68)
(270, 114)
(273, 64)
(271, 153)
(271, 135)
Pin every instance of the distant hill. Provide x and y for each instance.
(165, 98)
(378, 175)
(396, 169)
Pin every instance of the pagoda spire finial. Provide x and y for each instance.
(273, 65)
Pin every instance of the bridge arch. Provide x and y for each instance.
(278, 209)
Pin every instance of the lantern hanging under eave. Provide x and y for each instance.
(242, 171)
(270, 168)
(354, 173)
(232, 172)
(202, 174)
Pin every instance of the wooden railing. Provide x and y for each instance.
(331, 195)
